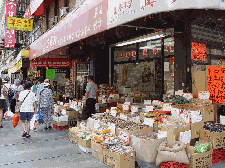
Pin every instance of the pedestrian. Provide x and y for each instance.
(16, 95)
(41, 86)
(8, 91)
(21, 87)
(17, 84)
(27, 107)
(91, 97)
(45, 103)
(2, 104)
(69, 90)
(34, 87)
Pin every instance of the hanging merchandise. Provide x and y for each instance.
(122, 55)
(155, 50)
(172, 66)
(168, 48)
(117, 56)
(128, 55)
(145, 52)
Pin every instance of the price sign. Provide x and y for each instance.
(156, 102)
(186, 118)
(134, 109)
(203, 95)
(149, 121)
(188, 96)
(124, 136)
(113, 113)
(125, 107)
(136, 120)
(147, 102)
(123, 117)
(149, 108)
(167, 106)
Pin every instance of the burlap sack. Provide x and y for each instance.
(176, 154)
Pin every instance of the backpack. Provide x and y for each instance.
(10, 92)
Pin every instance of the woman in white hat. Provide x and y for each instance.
(45, 104)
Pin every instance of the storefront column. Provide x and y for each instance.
(182, 56)
(162, 69)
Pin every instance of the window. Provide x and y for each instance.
(66, 4)
(47, 17)
(56, 9)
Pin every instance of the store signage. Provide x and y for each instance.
(51, 63)
(203, 95)
(85, 21)
(16, 67)
(14, 23)
(120, 10)
(25, 53)
(198, 51)
(10, 34)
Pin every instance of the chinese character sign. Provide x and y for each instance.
(10, 34)
(216, 83)
(198, 51)
(20, 24)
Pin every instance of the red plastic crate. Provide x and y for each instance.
(218, 155)
(173, 165)
(61, 127)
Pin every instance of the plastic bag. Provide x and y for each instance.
(39, 118)
(33, 122)
(15, 120)
(8, 114)
(201, 147)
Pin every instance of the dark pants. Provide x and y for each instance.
(13, 105)
(88, 109)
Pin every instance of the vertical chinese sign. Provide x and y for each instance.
(216, 83)
(198, 51)
(10, 34)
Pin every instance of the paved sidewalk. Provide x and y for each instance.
(44, 149)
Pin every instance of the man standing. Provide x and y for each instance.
(91, 97)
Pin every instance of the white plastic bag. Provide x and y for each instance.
(33, 122)
(8, 114)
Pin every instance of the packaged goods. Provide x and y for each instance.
(201, 147)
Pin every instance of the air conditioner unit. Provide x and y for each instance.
(54, 19)
(64, 11)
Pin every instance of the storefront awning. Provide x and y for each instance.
(87, 19)
(16, 67)
(37, 7)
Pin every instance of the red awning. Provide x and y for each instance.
(37, 7)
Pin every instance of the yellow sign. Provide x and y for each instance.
(25, 53)
(19, 24)
(16, 67)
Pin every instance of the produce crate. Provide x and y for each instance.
(173, 165)
(218, 155)
(217, 138)
(61, 127)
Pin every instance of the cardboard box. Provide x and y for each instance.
(216, 138)
(72, 114)
(113, 159)
(199, 82)
(178, 106)
(146, 150)
(97, 155)
(73, 135)
(195, 129)
(62, 123)
(199, 159)
(207, 112)
(96, 146)
(84, 143)
(177, 131)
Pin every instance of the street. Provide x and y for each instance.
(44, 149)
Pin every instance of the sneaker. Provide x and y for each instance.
(28, 136)
(24, 134)
(50, 127)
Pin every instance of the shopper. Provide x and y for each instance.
(41, 86)
(91, 97)
(69, 90)
(8, 91)
(45, 104)
(21, 87)
(16, 95)
(2, 104)
(34, 87)
(27, 107)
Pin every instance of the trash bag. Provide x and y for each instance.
(8, 114)
(33, 122)
(15, 120)
(39, 118)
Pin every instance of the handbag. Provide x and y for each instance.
(15, 120)
(39, 118)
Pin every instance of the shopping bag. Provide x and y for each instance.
(8, 114)
(33, 122)
(15, 120)
(39, 118)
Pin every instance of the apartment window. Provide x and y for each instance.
(66, 3)
(56, 9)
(47, 17)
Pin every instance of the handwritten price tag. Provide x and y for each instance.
(186, 118)
(167, 106)
(149, 121)
(188, 96)
(123, 117)
(124, 136)
(134, 109)
(203, 95)
(156, 102)
(125, 107)
(113, 113)
(149, 108)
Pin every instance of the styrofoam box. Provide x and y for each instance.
(86, 150)
(61, 118)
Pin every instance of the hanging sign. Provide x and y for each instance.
(51, 63)
(198, 51)
(50, 74)
(14, 23)
(203, 95)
